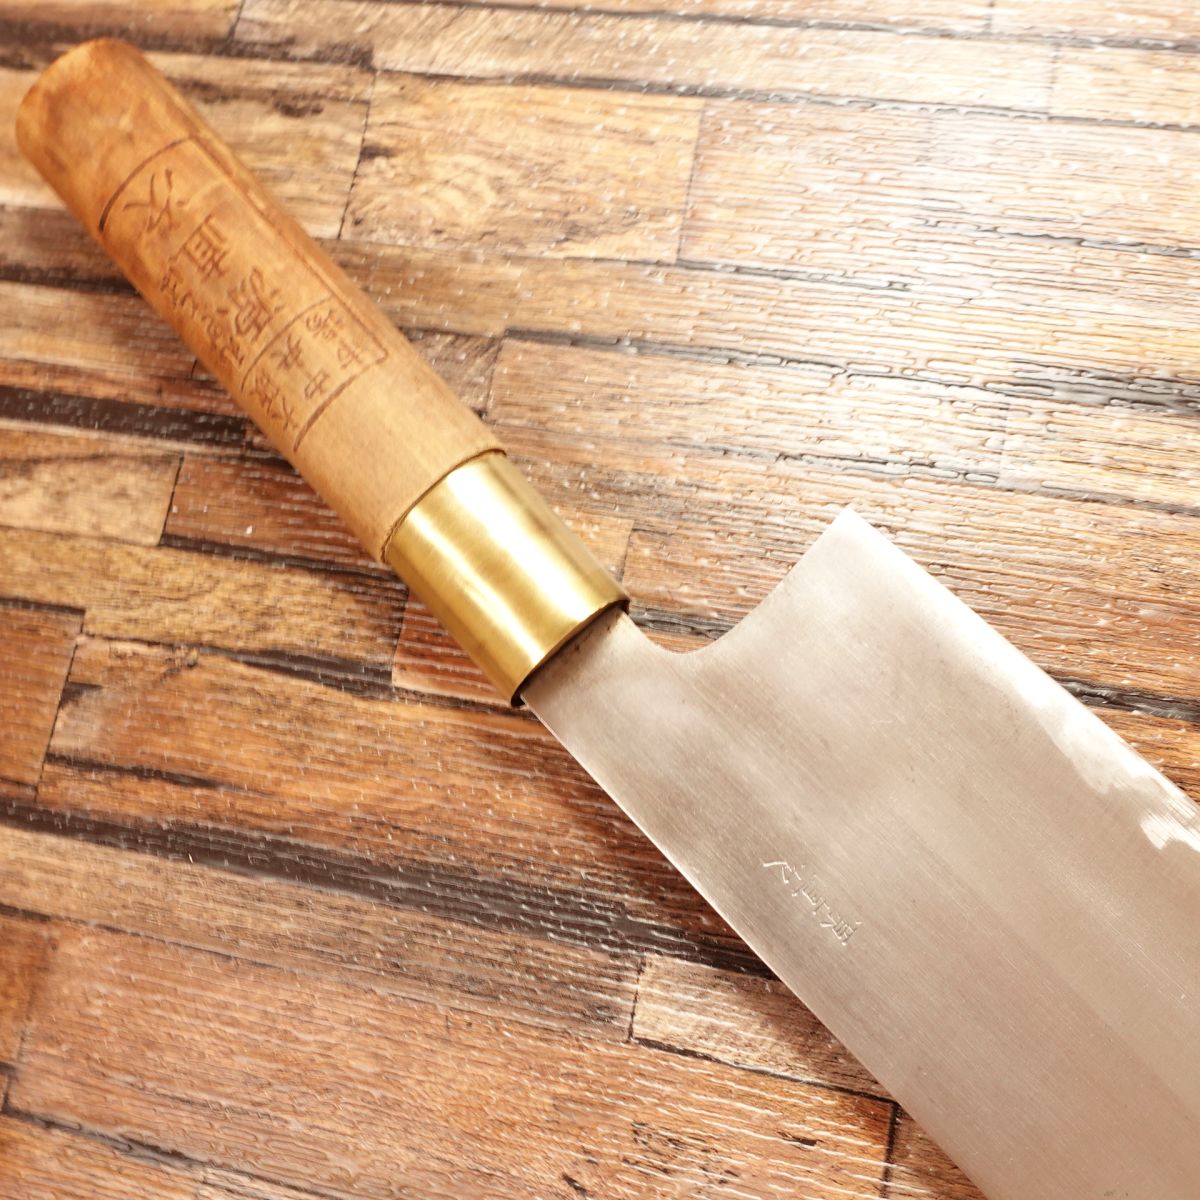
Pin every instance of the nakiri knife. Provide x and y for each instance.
(982, 891)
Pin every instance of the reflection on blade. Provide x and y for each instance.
(976, 885)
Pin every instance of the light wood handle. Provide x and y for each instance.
(337, 389)
(333, 384)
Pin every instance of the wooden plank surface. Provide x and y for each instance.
(719, 56)
(49, 1164)
(22, 949)
(595, 174)
(501, 1100)
(290, 907)
(1161, 21)
(35, 653)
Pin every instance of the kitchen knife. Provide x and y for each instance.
(982, 891)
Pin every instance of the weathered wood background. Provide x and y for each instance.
(289, 907)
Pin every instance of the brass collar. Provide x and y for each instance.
(499, 569)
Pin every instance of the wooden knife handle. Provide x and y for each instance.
(327, 377)
(316, 364)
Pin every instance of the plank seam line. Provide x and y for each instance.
(358, 162)
(170, 509)
(769, 1072)
(693, 170)
(889, 1155)
(778, 96)
(637, 991)
(231, 32)
(62, 691)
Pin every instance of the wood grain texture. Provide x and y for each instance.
(1121, 591)
(643, 50)
(144, 19)
(22, 949)
(45, 1163)
(739, 408)
(710, 504)
(249, 606)
(367, 781)
(35, 652)
(92, 333)
(1121, 20)
(37, 1163)
(100, 1052)
(317, 924)
(260, 504)
(744, 1020)
(99, 487)
(921, 1170)
(1171, 744)
(593, 175)
(21, 183)
(906, 170)
(330, 922)
(1125, 85)
(1033, 329)
(967, 16)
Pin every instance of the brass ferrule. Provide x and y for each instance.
(499, 569)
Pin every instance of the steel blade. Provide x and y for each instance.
(987, 895)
